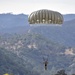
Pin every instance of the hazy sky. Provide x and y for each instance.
(28, 6)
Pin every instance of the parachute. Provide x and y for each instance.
(45, 16)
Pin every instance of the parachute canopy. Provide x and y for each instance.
(45, 17)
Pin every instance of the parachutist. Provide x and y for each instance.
(45, 63)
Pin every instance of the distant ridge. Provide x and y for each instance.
(11, 23)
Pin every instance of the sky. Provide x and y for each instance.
(28, 6)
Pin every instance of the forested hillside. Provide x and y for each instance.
(24, 55)
(23, 48)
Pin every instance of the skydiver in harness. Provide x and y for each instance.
(45, 63)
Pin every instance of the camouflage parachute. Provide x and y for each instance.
(45, 17)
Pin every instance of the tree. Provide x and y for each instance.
(61, 72)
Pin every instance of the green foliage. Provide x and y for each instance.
(11, 63)
(61, 72)
(23, 54)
